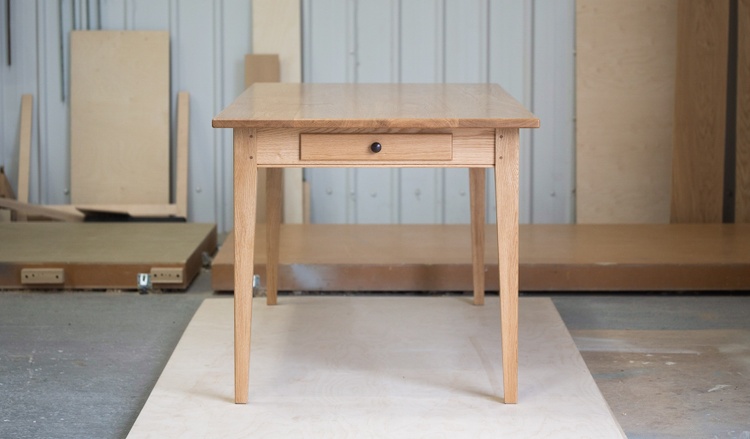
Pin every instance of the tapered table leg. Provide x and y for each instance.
(477, 194)
(245, 192)
(273, 224)
(506, 191)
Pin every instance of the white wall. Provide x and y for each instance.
(527, 47)
(208, 42)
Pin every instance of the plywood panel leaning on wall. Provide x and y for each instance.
(624, 103)
(742, 193)
(119, 117)
(700, 111)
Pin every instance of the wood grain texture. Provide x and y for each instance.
(471, 147)
(625, 70)
(183, 149)
(245, 189)
(582, 257)
(356, 147)
(742, 186)
(375, 106)
(506, 188)
(275, 191)
(700, 111)
(477, 190)
(84, 251)
(396, 368)
(119, 117)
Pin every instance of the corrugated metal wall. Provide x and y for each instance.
(526, 46)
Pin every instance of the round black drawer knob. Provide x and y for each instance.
(376, 147)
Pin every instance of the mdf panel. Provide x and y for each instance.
(700, 111)
(625, 65)
(119, 117)
(742, 192)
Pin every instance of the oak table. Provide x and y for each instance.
(376, 125)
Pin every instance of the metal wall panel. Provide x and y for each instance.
(527, 47)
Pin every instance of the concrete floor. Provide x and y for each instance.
(81, 365)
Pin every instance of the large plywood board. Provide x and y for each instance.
(700, 111)
(119, 117)
(625, 64)
(742, 192)
(405, 367)
(594, 257)
(102, 255)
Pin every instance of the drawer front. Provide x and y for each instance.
(364, 147)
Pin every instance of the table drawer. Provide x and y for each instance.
(364, 147)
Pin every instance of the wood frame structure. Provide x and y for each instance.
(268, 120)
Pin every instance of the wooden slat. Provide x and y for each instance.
(119, 117)
(603, 257)
(24, 148)
(84, 251)
(24, 155)
(183, 137)
(700, 111)
(742, 192)
(625, 70)
(24, 210)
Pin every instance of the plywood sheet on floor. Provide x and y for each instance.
(103, 255)
(376, 367)
(552, 257)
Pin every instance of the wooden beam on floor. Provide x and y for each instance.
(676, 257)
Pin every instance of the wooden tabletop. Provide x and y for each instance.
(273, 105)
